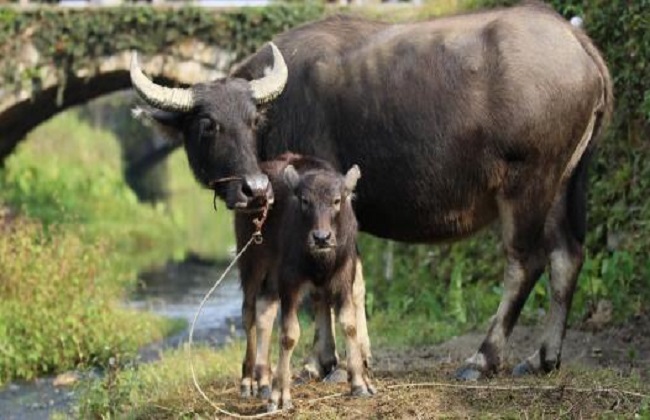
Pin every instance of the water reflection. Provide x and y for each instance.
(176, 290)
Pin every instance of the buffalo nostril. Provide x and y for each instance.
(246, 190)
(256, 185)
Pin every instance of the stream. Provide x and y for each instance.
(174, 291)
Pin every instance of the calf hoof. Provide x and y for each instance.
(469, 373)
(245, 391)
(309, 372)
(361, 391)
(372, 390)
(337, 376)
(271, 407)
(524, 368)
(264, 392)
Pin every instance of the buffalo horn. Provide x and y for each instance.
(267, 88)
(161, 97)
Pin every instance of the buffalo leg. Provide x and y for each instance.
(566, 257)
(523, 230)
(323, 358)
(289, 335)
(266, 310)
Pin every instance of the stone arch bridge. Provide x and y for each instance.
(52, 59)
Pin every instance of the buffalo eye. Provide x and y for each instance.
(304, 203)
(209, 127)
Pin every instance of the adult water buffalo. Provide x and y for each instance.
(455, 122)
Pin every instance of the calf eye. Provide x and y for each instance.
(337, 202)
(304, 202)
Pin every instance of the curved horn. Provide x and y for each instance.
(269, 87)
(161, 97)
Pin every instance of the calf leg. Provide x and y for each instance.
(266, 309)
(359, 382)
(248, 315)
(281, 394)
(359, 296)
(523, 229)
(323, 358)
(566, 257)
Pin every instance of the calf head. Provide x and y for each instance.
(216, 122)
(326, 214)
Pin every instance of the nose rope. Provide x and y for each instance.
(214, 183)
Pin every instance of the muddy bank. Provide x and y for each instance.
(624, 348)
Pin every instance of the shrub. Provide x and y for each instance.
(60, 303)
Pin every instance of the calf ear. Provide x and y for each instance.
(352, 177)
(167, 124)
(291, 177)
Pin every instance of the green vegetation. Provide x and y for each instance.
(59, 303)
(71, 255)
(145, 391)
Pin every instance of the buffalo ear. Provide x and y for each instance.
(291, 177)
(165, 123)
(352, 177)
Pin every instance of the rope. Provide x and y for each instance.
(256, 238)
(519, 388)
(253, 238)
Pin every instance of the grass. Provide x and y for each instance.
(73, 243)
(164, 386)
(164, 390)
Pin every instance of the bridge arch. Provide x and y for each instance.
(52, 58)
(184, 64)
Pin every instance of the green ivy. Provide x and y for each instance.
(72, 39)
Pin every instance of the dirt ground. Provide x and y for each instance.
(604, 374)
(625, 349)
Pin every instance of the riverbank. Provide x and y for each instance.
(171, 292)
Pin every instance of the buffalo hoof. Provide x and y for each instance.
(361, 391)
(337, 376)
(245, 391)
(469, 373)
(524, 368)
(264, 392)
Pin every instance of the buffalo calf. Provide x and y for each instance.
(309, 244)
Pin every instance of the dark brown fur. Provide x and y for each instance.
(288, 260)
